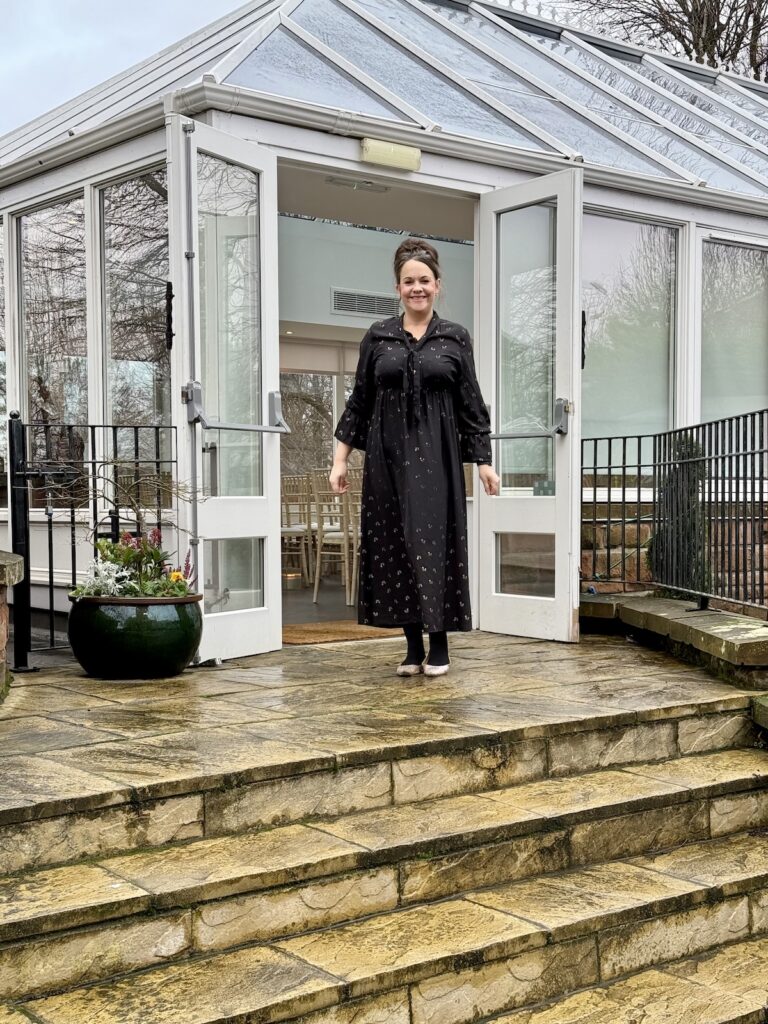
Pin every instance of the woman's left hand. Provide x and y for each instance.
(489, 479)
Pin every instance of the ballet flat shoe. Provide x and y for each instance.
(435, 670)
(409, 670)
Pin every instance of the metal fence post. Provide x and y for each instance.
(22, 610)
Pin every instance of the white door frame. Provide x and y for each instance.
(550, 618)
(250, 630)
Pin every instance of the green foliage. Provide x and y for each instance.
(678, 551)
(133, 567)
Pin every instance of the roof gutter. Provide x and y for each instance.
(209, 95)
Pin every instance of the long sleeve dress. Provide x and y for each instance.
(417, 412)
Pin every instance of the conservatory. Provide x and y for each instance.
(196, 247)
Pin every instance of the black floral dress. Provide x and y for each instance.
(417, 412)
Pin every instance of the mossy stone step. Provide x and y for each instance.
(727, 987)
(461, 959)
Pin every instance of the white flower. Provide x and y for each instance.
(107, 579)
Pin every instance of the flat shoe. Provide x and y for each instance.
(435, 670)
(409, 670)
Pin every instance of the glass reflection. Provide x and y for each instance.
(234, 574)
(53, 312)
(308, 409)
(135, 273)
(526, 345)
(525, 564)
(230, 324)
(734, 327)
(628, 292)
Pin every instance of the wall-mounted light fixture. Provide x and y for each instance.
(390, 154)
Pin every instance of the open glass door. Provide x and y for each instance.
(529, 360)
(233, 424)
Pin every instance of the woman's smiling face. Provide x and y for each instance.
(417, 288)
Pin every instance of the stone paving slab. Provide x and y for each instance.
(412, 944)
(653, 997)
(65, 897)
(727, 863)
(233, 986)
(212, 869)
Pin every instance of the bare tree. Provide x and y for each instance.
(721, 33)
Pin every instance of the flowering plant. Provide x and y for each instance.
(134, 567)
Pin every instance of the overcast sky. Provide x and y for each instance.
(51, 50)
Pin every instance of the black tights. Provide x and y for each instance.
(438, 646)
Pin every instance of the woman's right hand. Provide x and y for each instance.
(338, 477)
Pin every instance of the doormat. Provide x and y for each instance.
(333, 632)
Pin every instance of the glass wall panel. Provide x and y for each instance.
(526, 346)
(282, 64)
(393, 66)
(230, 324)
(705, 165)
(3, 401)
(506, 87)
(234, 574)
(135, 272)
(628, 292)
(734, 330)
(53, 312)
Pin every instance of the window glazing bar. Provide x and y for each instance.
(234, 58)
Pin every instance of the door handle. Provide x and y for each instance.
(563, 410)
(192, 395)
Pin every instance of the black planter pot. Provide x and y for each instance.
(135, 637)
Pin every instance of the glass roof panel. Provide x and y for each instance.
(752, 105)
(708, 167)
(586, 138)
(283, 65)
(454, 109)
(700, 100)
(700, 127)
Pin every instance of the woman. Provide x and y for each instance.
(417, 412)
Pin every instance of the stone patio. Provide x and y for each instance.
(567, 832)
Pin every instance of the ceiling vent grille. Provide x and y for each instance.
(353, 303)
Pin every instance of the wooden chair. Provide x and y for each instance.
(331, 512)
(295, 528)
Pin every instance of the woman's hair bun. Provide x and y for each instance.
(416, 249)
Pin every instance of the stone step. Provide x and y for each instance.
(63, 806)
(493, 950)
(215, 894)
(729, 986)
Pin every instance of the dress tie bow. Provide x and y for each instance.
(412, 386)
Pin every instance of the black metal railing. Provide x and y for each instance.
(684, 510)
(72, 484)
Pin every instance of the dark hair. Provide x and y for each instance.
(416, 249)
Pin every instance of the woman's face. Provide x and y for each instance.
(417, 288)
